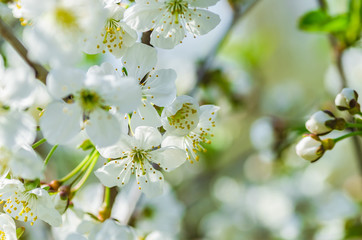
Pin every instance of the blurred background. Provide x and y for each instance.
(268, 77)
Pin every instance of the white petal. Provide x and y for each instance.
(16, 128)
(75, 236)
(103, 128)
(113, 231)
(65, 81)
(45, 208)
(147, 137)
(8, 226)
(15, 96)
(60, 122)
(114, 173)
(151, 183)
(125, 95)
(168, 33)
(116, 150)
(202, 3)
(173, 141)
(142, 17)
(146, 115)
(201, 21)
(160, 87)
(207, 116)
(169, 158)
(139, 60)
(26, 164)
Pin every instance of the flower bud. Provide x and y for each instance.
(347, 100)
(312, 148)
(323, 122)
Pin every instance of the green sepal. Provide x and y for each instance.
(86, 145)
(19, 232)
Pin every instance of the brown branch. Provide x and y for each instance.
(5, 31)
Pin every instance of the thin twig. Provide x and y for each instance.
(238, 14)
(5, 31)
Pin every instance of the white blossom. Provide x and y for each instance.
(170, 20)
(59, 28)
(7, 227)
(187, 125)
(109, 229)
(27, 205)
(136, 155)
(115, 37)
(86, 101)
(157, 86)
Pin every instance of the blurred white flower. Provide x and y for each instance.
(59, 28)
(28, 205)
(88, 99)
(7, 227)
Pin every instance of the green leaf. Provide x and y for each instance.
(320, 21)
(355, 21)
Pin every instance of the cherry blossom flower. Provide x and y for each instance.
(136, 155)
(7, 227)
(170, 20)
(157, 86)
(187, 125)
(115, 37)
(27, 205)
(86, 101)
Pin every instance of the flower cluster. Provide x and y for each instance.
(313, 146)
(126, 112)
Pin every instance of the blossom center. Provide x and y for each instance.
(139, 156)
(66, 18)
(177, 7)
(20, 206)
(89, 100)
(112, 26)
(185, 118)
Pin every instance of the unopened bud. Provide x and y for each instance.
(347, 101)
(312, 148)
(55, 184)
(323, 122)
(64, 192)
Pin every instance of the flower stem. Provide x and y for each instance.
(94, 159)
(38, 143)
(78, 168)
(106, 208)
(353, 125)
(347, 135)
(50, 154)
